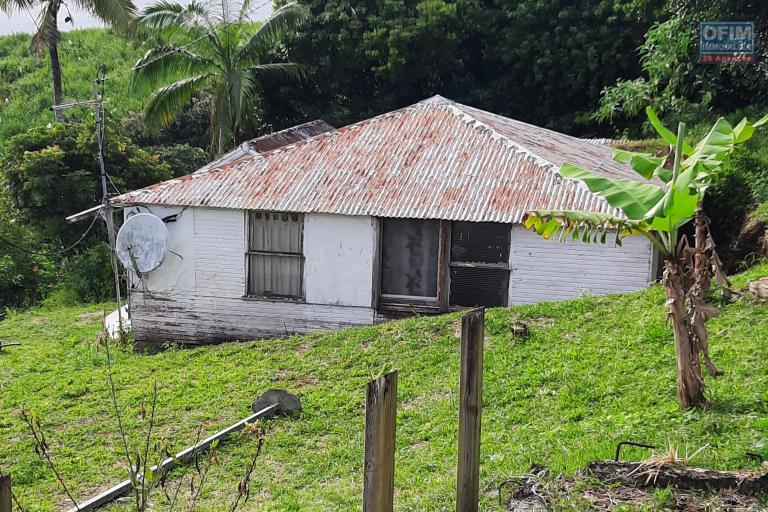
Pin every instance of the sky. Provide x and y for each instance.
(24, 22)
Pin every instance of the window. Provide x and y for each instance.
(479, 264)
(275, 256)
(409, 259)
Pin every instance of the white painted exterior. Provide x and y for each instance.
(198, 294)
(552, 270)
(339, 256)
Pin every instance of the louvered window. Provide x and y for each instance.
(275, 254)
(479, 264)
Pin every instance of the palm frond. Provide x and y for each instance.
(11, 6)
(245, 10)
(164, 16)
(285, 20)
(279, 72)
(165, 63)
(240, 88)
(117, 13)
(585, 226)
(47, 30)
(166, 102)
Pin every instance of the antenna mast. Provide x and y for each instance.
(106, 205)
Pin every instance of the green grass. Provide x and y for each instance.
(26, 92)
(593, 371)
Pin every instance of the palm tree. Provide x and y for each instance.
(206, 49)
(117, 13)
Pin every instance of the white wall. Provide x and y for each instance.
(220, 252)
(199, 296)
(339, 257)
(552, 270)
(177, 272)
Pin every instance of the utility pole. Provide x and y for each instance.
(106, 206)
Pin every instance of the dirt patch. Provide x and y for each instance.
(542, 491)
(89, 318)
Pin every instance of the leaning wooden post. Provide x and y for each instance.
(5, 493)
(380, 416)
(470, 403)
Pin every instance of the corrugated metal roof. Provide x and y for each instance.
(289, 136)
(436, 159)
(270, 142)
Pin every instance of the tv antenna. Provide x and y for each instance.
(106, 210)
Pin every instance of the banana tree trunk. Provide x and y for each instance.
(701, 310)
(690, 384)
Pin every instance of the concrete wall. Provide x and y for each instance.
(552, 270)
(339, 259)
(199, 295)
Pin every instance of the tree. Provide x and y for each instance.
(673, 80)
(658, 208)
(533, 60)
(117, 13)
(227, 59)
(52, 171)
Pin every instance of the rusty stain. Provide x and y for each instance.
(436, 159)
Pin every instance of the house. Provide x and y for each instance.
(414, 211)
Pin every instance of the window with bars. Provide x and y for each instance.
(275, 254)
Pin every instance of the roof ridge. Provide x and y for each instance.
(534, 126)
(457, 110)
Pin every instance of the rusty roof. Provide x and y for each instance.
(270, 142)
(436, 159)
(290, 135)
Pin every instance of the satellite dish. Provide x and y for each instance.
(142, 243)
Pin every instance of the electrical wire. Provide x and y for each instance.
(56, 253)
(113, 184)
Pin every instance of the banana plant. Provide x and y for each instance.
(668, 196)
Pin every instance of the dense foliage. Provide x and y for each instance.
(52, 172)
(24, 277)
(49, 173)
(544, 62)
(675, 83)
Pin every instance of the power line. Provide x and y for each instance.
(56, 253)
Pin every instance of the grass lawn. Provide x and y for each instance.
(593, 372)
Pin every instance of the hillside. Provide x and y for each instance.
(25, 81)
(593, 371)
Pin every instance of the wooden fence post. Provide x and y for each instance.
(5, 493)
(470, 403)
(380, 416)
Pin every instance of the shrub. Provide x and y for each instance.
(53, 171)
(181, 159)
(24, 278)
(87, 276)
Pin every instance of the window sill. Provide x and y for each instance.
(264, 298)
